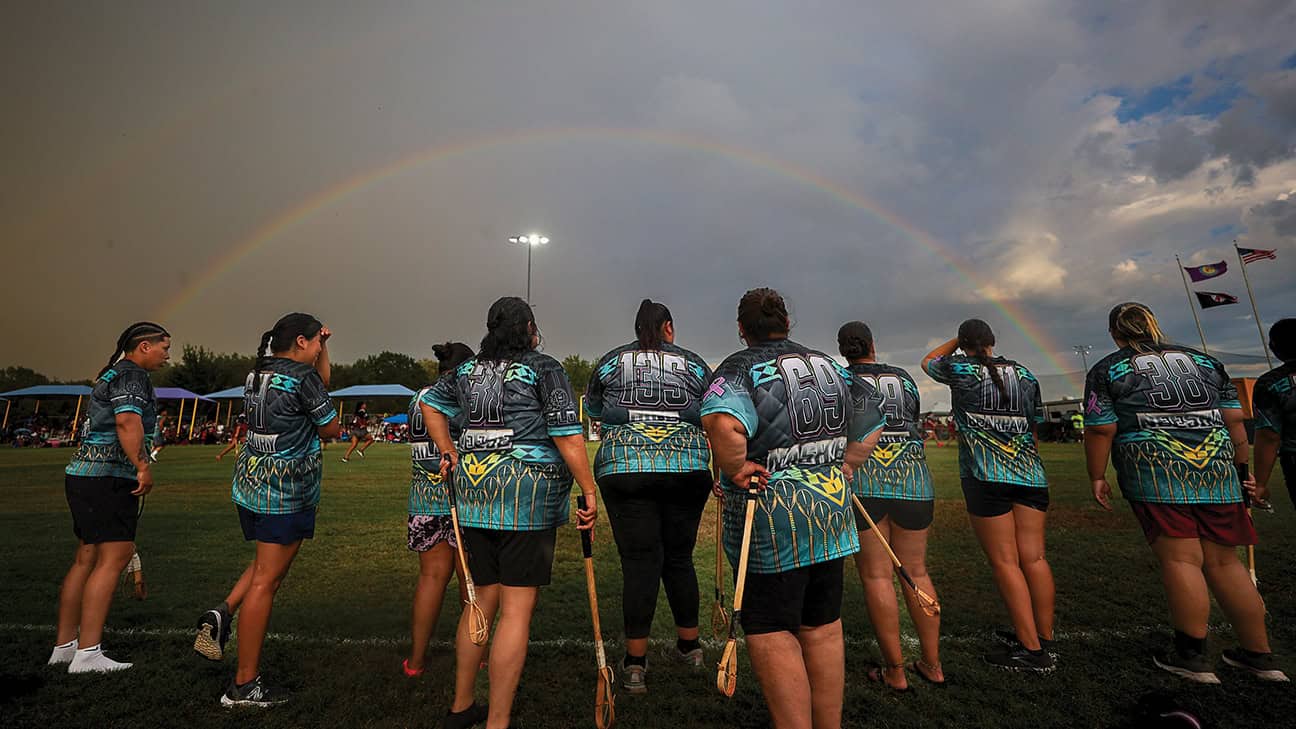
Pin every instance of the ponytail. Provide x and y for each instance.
(974, 338)
(855, 340)
(649, 321)
(1136, 324)
(262, 359)
(141, 331)
(282, 338)
(763, 314)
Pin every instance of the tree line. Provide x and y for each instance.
(203, 371)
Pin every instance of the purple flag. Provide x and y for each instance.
(1208, 271)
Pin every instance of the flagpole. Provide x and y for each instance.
(1192, 304)
(1254, 310)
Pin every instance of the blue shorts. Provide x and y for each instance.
(277, 528)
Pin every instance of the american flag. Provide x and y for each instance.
(1251, 255)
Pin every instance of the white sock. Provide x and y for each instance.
(63, 653)
(70, 644)
(93, 660)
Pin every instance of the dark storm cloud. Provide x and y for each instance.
(844, 154)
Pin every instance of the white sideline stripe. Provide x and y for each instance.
(909, 641)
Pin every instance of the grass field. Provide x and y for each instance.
(341, 619)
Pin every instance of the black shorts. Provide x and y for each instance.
(904, 513)
(277, 528)
(513, 559)
(103, 508)
(1288, 461)
(990, 498)
(788, 601)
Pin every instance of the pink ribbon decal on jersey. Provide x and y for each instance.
(716, 388)
(1092, 407)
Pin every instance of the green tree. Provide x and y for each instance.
(16, 378)
(579, 371)
(202, 371)
(386, 368)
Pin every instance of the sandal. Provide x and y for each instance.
(877, 674)
(922, 668)
(410, 672)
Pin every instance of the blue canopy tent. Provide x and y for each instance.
(41, 392)
(181, 394)
(400, 419)
(231, 394)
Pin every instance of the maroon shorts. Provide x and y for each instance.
(1225, 524)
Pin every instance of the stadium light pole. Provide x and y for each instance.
(531, 240)
(1083, 350)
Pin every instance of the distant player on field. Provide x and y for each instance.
(360, 437)
(238, 437)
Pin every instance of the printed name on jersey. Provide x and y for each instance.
(999, 423)
(652, 416)
(1196, 420)
(424, 451)
(263, 442)
(815, 453)
(486, 439)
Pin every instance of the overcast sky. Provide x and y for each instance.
(1060, 153)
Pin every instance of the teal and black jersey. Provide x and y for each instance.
(649, 402)
(279, 470)
(1274, 403)
(799, 408)
(897, 469)
(124, 388)
(1167, 403)
(996, 430)
(427, 496)
(511, 476)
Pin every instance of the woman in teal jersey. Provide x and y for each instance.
(652, 471)
(430, 533)
(997, 406)
(108, 475)
(1275, 409)
(522, 446)
(276, 490)
(1169, 418)
(896, 488)
(784, 420)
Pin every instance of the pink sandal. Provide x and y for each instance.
(410, 672)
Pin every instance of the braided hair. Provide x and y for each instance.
(1136, 324)
(510, 324)
(140, 331)
(281, 338)
(649, 321)
(763, 313)
(855, 340)
(974, 338)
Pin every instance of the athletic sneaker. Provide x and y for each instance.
(1019, 659)
(692, 658)
(473, 715)
(345, 460)
(361, 453)
(1195, 668)
(1262, 665)
(62, 654)
(1008, 637)
(253, 693)
(93, 660)
(213, 634)
(634, 677)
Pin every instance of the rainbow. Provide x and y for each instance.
(1036, 336)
